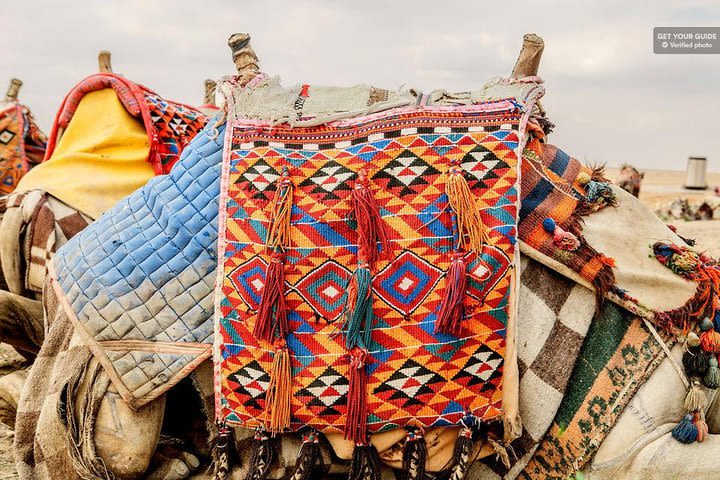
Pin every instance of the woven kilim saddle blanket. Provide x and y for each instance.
(22, 144)
(169, 125)
(366, 263)
(110, 136)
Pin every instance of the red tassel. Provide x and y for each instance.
(701, 425)
(356, 424)
(452, 307)
(272, 304)
(370, 225)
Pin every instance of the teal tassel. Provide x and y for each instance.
(600, 191)
(358, 311)
(712, 377)
(685, 431)
(706, 324)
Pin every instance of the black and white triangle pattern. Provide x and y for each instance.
(409, 382)
(406, 171)
(328, 180)
(252, 383)
(482, 367)
(480, 164)
(261, 178)
(327, 392)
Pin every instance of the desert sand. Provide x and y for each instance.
(663, 186)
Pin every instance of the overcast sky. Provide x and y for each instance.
(612, 99)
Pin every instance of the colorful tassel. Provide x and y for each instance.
(452, 306)
(706, 324)
(695, 400)
(471, 230)
(261, 457)
(686, 431)
(414, 454)
(701, 425)
(695, 361)
(461, 454)
(357, 324)
(365, 463)
(710, 341)
(271, 321)
(370, 225)
(223, 452)
(309, 460)
(598, 194)
(712, 377)
(562, 239)
(356, 424)
(279, 392)
(702, 270)
(278, 235)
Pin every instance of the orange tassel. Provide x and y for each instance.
(452, 307)
(279, 232)
(356, 424)
(370, 225)
(471, 231)
(710, 341)
(279, 391)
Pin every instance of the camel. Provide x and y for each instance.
(629, 179)
(73, 391)
(44, 212)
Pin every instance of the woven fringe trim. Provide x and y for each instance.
(604, 279)
(223, 452)
(261, 457)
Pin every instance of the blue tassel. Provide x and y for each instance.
(685, 431)
(706, 324)
(716, 320)
(549, 225)
(358, 311)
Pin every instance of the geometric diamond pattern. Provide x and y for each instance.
(252, 382)
(413, 375)
(326, 395)
(174, 125)
(406, 172)
(324, 289)
(6, 136)
(22, 145)
(406, 282)
(480, 368)
(481, 164)
(249, 279)
(409, 385)
(330, 178)
(260, 177)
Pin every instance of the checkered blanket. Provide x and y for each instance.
(49, 225)
(35, 226)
